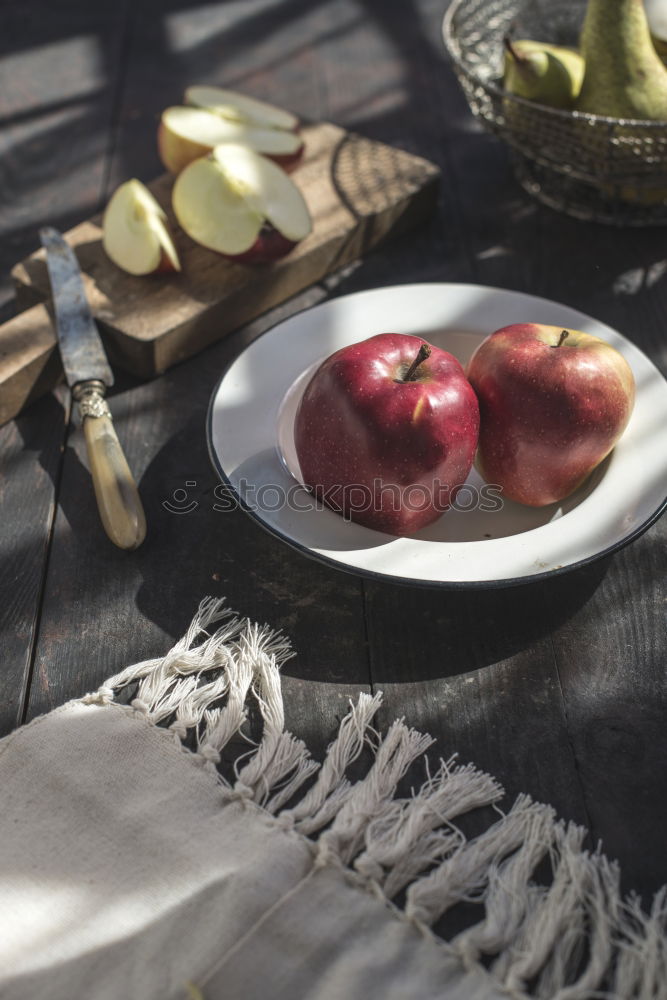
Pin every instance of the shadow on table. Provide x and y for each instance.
(198, 543)
(346, 630)
(419, 635)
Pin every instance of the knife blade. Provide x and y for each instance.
(81, 348)
(88, 375)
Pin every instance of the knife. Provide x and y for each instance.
(89, 376)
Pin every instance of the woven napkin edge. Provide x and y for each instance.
(573, 939)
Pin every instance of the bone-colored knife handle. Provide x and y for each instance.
(117, 496)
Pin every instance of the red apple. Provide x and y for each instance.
(241, 205)
(553, 403)
(386, 432)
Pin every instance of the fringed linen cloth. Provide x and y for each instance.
(129, 868)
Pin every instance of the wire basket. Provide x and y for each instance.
(608, 170)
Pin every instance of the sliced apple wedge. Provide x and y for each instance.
(240, 204)
(135, 234)
(186, 133)
(241, 108)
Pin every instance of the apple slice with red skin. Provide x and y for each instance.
(241, 108)
(553, 403)
(135, 234)
(386, 432)
(187, 133)
(241, 205)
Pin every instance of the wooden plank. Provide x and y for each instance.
(611, 652)
(29, 360)
(59, 67)
(104, 608)
(611, 661)
(358, 192)
(31, 453)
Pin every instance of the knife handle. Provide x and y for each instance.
(117, 496)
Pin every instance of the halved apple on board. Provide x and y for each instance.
(241, 205)
(241, 108)
(135, 233)
(215, 115)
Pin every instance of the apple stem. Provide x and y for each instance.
(507, 42)
(423, 353)
(563, 336)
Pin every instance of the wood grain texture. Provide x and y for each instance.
(611, 652)
(60, 69)
(31, 449)
(29, 360)
(611, 662)
(60, 66)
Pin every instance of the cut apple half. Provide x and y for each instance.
(135, 234)
(241, 108)
(240, 204)
(186, 133)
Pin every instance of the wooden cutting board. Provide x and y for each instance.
(358, 192)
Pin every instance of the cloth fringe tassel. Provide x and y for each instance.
(571, 939)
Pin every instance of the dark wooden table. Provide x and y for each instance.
(558, 688)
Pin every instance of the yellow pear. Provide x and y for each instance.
(544, 73)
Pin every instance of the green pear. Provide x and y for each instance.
(544, 73)
(624, 76)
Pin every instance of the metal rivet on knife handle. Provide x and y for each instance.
(117, 496)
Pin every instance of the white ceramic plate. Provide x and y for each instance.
(251, 443)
